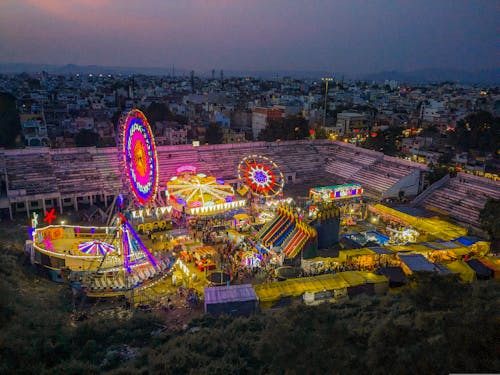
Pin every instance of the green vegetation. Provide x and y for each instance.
(285, 129)
(436, 173)
(214, 134)
(489, 217)
(86, 138)
(10, 126)
(438, 326)
(478, 131)
(160, 112)
(37, 335)
(321, 133)
(385, 141)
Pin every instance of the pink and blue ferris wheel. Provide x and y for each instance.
(261, 176)
(139, 157)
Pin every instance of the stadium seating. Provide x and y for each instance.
(95, 171)
(463, 197)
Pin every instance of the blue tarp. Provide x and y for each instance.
(362, 238)
(467, 240)
(434, 245)
(448, 244)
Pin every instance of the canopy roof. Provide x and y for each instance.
(417, 262)
(434, 226)
(352, 253)
(233, 293)
(395, 274)
(480, 269)
(271, 292)
(466, 273)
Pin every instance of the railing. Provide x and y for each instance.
(436, 185)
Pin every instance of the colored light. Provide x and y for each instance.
(259, 176)
(50, 216)
(186, 169)
(139, 152)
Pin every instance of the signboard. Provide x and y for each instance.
(186, 169)
(334, 192)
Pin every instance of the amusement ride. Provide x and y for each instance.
(218, 228)
(112, 259)
(261, 176)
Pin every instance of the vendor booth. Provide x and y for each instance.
(233, 300)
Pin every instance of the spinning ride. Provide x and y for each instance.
(200, 194)
(96, 247)
(139, 158)
(261, 176)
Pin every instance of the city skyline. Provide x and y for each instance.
(354, 37)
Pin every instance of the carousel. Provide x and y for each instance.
(198, 194)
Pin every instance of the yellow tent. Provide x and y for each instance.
(353, 253)
(434, 226)
(467, 274)
(481, 247)
(272, 292)
(460, 251)
(353, 278)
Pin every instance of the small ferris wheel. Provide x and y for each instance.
(261, 176)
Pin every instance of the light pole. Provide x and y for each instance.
(326, 79)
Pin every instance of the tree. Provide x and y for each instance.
(321, 133)
(436, 173)
(445, 158)
(289, 128)
(157, 112)
(214, 134)
(160, 112)
(86, 138)
(385, 141)
(479, 130)
(489, 218)
(431, 131)
(10, 126)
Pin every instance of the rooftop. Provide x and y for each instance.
(233, 293)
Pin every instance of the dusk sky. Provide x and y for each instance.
(350, 36)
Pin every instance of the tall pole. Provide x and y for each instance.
(326, 79)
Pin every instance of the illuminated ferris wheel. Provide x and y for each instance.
(261, 176)
(140, 163)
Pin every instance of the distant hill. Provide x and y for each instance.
(488, 76)
(15, 68)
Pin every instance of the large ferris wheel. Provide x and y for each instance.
(139, 159)
(261, 176)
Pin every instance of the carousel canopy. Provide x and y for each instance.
(192, 189)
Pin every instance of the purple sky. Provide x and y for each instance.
(350, 36)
